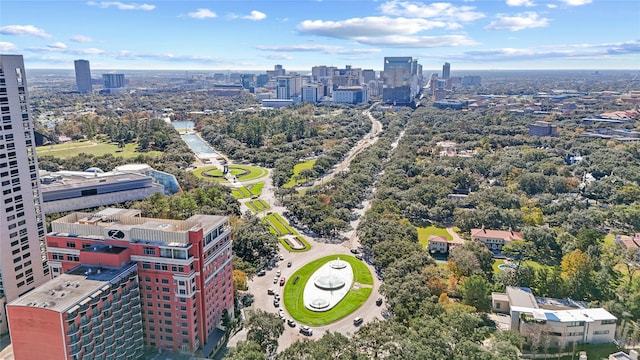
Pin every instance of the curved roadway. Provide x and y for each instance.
(258, 285)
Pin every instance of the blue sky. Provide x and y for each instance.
(255, 35)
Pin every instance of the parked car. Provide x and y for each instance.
(354, 251)
(379, 301)
(289, 264)
(357, 321)
(359, 256)
(275, 280)
(262, 273)
(270, 291)
(291, 322)
(281, 313)
(305, 330)
(277, 297)
(282, 281)
(276, 303)
(278, 272)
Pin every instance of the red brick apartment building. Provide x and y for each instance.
(184, 268)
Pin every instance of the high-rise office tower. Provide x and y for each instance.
(83, 76)
(402, 78)
(23, 264)
(113, 81)
(446, 71)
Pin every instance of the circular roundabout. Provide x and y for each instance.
(327, 289)
(240, 172)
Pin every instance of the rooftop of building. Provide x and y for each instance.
(105, 249)
(565, 316)
(73, 179)
(94, 224)
(66, 291)
(522, 297)
(496, 234)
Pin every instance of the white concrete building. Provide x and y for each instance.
(23, 264)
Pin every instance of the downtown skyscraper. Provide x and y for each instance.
(23, 264)
(402, 78)
(83, 76)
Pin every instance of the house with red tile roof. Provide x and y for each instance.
(495, 239)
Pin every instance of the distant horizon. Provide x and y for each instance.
(340, 67)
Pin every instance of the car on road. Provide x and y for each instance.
(289, 264)
(305, 330)
(379, 301)
(277, 297)
(291, 322)
(270, 291)
(354, 251)
(359, 256)
(275, 280)
(358, 321)
(281, 313)
(276, 303)
(254, 197)
(282, 281)
(262, 273)
(281, 257)
(278, 272)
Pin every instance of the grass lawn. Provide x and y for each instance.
(257, 205)
(241, 193)
(256, 189)
(425, 232)
(610, 239)
(71, 149)
(296, 170)
(594, 351)
(293, 294)
(279, 224)
(496, 263)
(241, 172)
(307, 246)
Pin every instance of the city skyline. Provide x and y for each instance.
(250, 35)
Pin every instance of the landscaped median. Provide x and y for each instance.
(248, 191)
(257, 205)
(294, 290)
(279, 226)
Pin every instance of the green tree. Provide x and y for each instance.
(246, 350)
(475, 292)
(265, 329)
(577, 268)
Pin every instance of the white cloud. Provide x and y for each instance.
(526, 20)
(203, 14)
(24, 30)
(81, 39)
(255, 16)
(520, 3)
(57, 45)
(367, 27)
(326, 49)
(439, 10)
(399, 41)
(576, 2)
(552, 6)
(122, 6)
(7, 46)
(279, 57)
(567, 52)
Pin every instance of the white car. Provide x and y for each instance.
(278, 272)
(291, 322)
(275, 280)
(281, 313)
(306, 330)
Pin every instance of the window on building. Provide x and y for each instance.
(150, 251)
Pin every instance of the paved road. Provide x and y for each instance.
(368, 140)
(258, 285)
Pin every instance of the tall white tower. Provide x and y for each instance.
(23, 264)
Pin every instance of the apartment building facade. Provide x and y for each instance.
(184, 268)
(91, 313)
